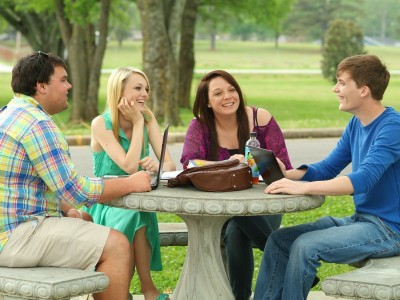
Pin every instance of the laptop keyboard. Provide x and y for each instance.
(154, 179)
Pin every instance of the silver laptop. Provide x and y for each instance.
(155, 177)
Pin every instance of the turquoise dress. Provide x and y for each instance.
(123, 220)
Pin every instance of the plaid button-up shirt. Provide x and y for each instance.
(36, 171)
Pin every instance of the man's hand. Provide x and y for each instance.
(140, 182)
(287, 186)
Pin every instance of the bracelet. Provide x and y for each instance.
(78, 211)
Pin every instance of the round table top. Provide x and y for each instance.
(192, 201)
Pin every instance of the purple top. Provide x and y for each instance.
(197, 144)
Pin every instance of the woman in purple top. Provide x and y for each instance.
(221, 127)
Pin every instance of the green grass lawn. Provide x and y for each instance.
(296, 101)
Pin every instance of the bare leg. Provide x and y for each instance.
(142, 261)
(114, 262)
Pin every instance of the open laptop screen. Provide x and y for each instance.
(267, 164)
(156, 179)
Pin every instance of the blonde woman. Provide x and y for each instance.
(120, 139)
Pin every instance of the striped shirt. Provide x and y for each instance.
(36, 171)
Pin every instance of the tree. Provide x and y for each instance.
(79, 21)
(186, 53)
(342, 39)
(271, 13)
(163, 61)
(122, 20)
(309, 19)
(36, 23)
(46, 23)
(381, 20)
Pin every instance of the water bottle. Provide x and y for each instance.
(249, 158)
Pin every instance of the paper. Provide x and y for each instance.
(170, 174)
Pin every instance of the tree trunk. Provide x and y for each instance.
(186, 53)
(85, 56)
(212, 40)
(160, 21)
(277, 35)
(40, 30)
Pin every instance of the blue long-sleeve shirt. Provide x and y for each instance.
(374, 151)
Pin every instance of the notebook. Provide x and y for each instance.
(155, 177)
(267, 164)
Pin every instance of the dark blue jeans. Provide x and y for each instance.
(240, 235)
(292, 255)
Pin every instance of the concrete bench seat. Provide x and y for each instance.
(66, 283)
(376, 279)
(173, 234)
(49, 283)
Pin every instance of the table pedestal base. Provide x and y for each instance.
(203, 276)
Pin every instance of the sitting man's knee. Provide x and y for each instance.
(117, 241)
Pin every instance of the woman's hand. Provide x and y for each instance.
(78, 214)
(149, 165)
(129, 110)
(240, 157)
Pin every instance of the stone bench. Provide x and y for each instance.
(376, 279)
(66, 283)
(49, 283)
(173, 234)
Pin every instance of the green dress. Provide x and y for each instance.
(123, 220)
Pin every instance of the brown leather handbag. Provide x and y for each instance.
(224, 176)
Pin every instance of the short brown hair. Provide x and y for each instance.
(366, 70)
(33, 68)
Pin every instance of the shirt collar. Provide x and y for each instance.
(29, 100)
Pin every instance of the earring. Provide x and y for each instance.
(209, 106)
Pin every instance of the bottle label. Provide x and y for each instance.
(252, 164)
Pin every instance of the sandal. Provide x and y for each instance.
(162, 297)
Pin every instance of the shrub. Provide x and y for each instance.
(342, 39)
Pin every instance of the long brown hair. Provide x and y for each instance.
(205, 115)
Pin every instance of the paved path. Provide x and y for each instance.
(301, 151)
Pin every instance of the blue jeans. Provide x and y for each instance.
(292, 255)
(240, 235)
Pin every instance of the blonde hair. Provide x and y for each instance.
(115, 86)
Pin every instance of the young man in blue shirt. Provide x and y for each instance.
(371, 142)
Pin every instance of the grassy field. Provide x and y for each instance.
(296, 101)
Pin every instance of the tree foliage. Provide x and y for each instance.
(122, 19)
(309, 19)
(84, 29)
(383, 19)
(55, 26)
(271, 14)
(37, 23)
(342, 39)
